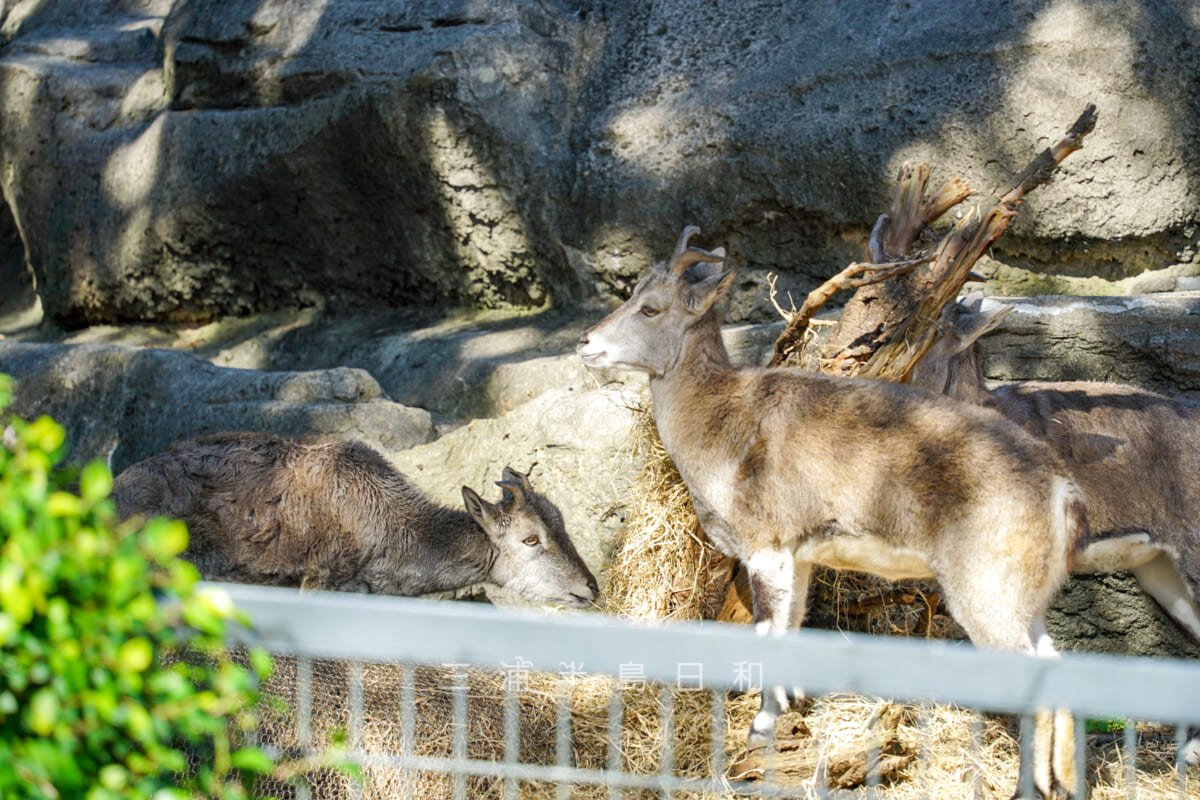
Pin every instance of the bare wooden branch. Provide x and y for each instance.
(896, 359)
(900, 321)
(889, 598)
(789, 341)
(907, 212)
(873, 314)
(954, 192)
(773, 294)
(1042, 168)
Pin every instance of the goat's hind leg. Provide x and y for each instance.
(1054, 735)
(1160, 577)
(779, 585)
(1177, 590)
(1053, 751)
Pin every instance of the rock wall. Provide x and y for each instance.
(16, 282)
(1151, 341)
(186, 159)
(126, 404)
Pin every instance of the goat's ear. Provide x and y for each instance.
(481, 510)
(703, 294)
(510, 475)
(971, 303)
(970, 327)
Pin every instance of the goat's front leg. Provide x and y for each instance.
(779, 585)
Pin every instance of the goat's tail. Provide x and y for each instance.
(1070, 518)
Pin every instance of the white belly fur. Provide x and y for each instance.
(864, 554)
(1116, 553)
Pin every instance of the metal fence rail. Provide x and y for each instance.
(362, 628)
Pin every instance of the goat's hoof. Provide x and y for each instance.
(800, 703)
(1190, 753)
(1057, 792)
(1060, 792)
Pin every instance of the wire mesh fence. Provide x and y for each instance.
(451, 700)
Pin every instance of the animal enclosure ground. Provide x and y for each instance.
(925, 751)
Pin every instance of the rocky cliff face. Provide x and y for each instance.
(185, 159)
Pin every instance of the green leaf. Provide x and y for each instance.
(164, 539)
(124, 573)
(113, 777)
(262, 662)
(43, 711)
(85, 544)
(138, 721)
(95, 482)
(15, 597)
(184, 575)
(215, 601)
(136, 655)
(253, 759)
(1105, 725)
(44, 434)
(63, 504)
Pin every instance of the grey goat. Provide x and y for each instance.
(1134, 454)
(319, 513)
(787, 469)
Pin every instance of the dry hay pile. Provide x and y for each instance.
(379, 731)
(961, 753)
(331, 728)
(662, 565)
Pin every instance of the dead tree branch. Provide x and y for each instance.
(957, 254)
(789, 341)
(888, 325)
(1041, 170)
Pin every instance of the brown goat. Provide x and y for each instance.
(787, 469)
(1134, 454)
(325, 514)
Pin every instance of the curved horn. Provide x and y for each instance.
(693, 255)
(685, 256)
(511, 475)
(514, 495)
(682, 244)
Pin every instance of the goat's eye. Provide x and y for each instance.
(648, 311)
(531, 540)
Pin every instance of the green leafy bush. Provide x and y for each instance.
(113, 666)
